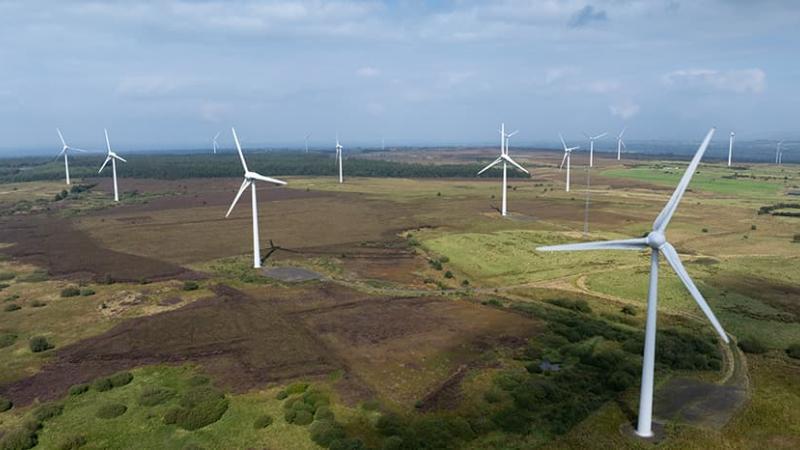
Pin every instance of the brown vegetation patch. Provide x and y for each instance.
(52, 242)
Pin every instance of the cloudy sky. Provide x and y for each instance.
(171, 73)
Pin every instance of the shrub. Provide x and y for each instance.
(262, 421)
(465, 283)
(78, 389)
(793, 351)
(34, 277)
(199, 380)
(39, 344)
(121, 379)
(3, 286)
(323, 413)
(111, 410)
(38, 304)
(5, 404)
(302, 417)
(11, 298)
(11, 307)
(7, 339)
(190, 285)
(444, 259)
(282, 395)
(296, 388)
(86, 292)
(18, 439)
(155, 395)
(752, 345)
(200, 406)
(324, 432)
(448, 274)
(705, 230)
(393, 443)
(435, 263)
(753, 227)
(628, 310)
(5, 276)
(347, 444)
(619, 380)
(48, 411)
(70, 292)
(102, 385)
(575, 305)
(73, 442)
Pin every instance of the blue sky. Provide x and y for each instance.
(170, 74)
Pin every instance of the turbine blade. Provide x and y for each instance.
(623, 144)
(563, 161)
(217, 135)
(600, 135)
(622, 132)
(664, 217)
(77, 149)
(108, 158)
(120, 158)
(239, 148)
(512, 133)
(514, 163)
(492, 164)
(672, 257)
(622, 244)
(63, 143)
(245, 185)
(562, 141)
(108, 143)
(260, 177)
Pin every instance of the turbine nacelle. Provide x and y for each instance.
(656, 239)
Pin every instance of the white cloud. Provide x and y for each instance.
(601, 86)
(368, 72)
(753, 81)
(624, 109)
(556, 74)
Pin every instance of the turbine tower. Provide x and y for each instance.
(657, 242)
(591, 146)
(778, 152)
(567, 157)
(64, 150)
(306, 140)
(214, 142)
(250, 179)
(339, 158)
(730, 147)
(113, 157)
(621, 143)
(505, 159)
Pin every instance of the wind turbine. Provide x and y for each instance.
(64, 150)
(621, 143)
(778, 152)
(567, 157)
(730, 147)
(591, 146)
(214, 142)
(306, 140)
(113, 157)
(339, 158)
(505, 159)
(658, 244)
(249, 181)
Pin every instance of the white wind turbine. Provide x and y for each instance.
(214, 142)
(306, 140)
(591, 146)
(730, 147)
(339, 158)
(249, 181)
(658, 244)
(621, 143)
(778, 152)
(505, 159)
(64, 150)
(567, 157)
(113, 157)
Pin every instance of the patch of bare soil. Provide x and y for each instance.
(51, 242)
(698, 402)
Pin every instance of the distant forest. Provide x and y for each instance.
(174, 166)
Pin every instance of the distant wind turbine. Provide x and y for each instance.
(657, 243)
(591, 146)
(730, 147)
(214, 142)
(567, 157)
(64, 150)
(339, 149)
(505, 159)
(113, 157)
(250, 179)
(778, 152)
(306, 140)
(621, 144)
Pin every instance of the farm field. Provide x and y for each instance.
(427, 321)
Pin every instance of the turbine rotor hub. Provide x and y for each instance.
(656, 239)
